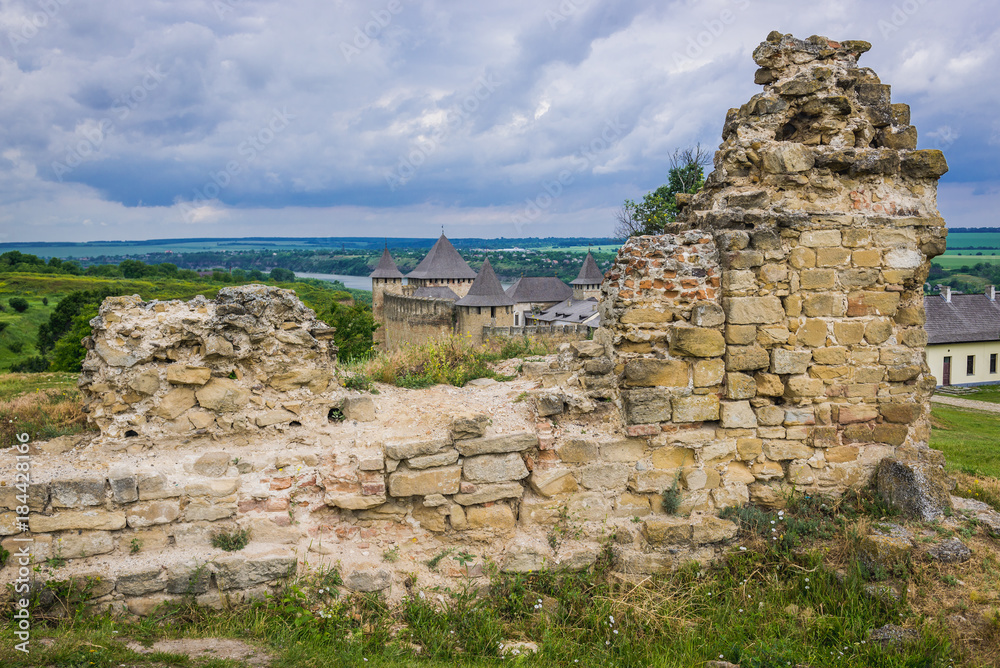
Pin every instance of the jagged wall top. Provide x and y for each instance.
(822, 139)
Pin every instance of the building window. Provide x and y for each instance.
(517, 323)
(993, 362)
(970, 365)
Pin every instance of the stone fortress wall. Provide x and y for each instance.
(771, 338)
(408, 320)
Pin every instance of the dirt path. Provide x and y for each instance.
(967, 403)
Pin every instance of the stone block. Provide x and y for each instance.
(824, 305)
(353, 500)
(78, 492)
(141, 583)
(98, 520)
(187, 374)
(656, 373)
(404, 482)
(317, 380)
(712, 530)
(696, 342)
(517, 442)
(820, 238)
(431, 518)
(156, 486)
(577, 451)
(753, 310)
(900, 413)
(213, 464)
(738, 415)
(787, 157)
(707, 314)
(82, 544)
(769, 385)
(498, 517)
(550, 403)
(832, 257)
(781, 450)
(491, 468)
(817, 279)
(510, 490)
(741, 335)
(38, 497)
(746, 358)
(645, 482)
(646, 406)
(862, 303)
(851, 413)
(672, 458)
(149, 513)
(764, 470)
(174, 403)
(784, 361)
(830, 355)
(361, 409)
(740, 386)
(587, 348)
(604, 476)
(670, 530)
(625, 450)
(470, 425)
(209, 510)
(147, 382)
(222, 395)
(748, 449)
(708, 373)
(411, 449)
(368, 579)
(799, 387)
(273, 417)
(696, 408)
(813, 333)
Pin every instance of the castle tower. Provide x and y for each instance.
(386, 278)
(485, 304)
(588, 283)
(443, 266)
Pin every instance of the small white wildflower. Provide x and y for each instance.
(616, 631)
(742, 549)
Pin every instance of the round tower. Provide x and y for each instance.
(387, 278)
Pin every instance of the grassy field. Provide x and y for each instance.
(974, 239)
(968, 439)
(967, 259)
(19, 330)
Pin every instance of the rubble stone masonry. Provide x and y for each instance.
(772, 337)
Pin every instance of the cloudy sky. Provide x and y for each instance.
(194, 118)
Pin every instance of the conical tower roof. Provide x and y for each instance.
(386, 267)
(486, 290)
(442, 262)
(590, 274)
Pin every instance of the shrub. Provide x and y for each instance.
(231, 541)
(671, 499)
(19, 304)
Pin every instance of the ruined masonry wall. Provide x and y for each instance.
(413, 321)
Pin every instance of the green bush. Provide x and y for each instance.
(231, 541)
(19, 304)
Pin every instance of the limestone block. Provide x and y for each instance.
(624, 450)
(707, 314)
(671, 458)
(820, 238)
(141, 583)
(781, 450)
(738, 473)
(646, 406)
(148, 513)
(746, 358)
(498, 517)
(863, 303)
(741, 335)
(577, 451)
(145, 605)
(147, 382)
(918, 489)
(353, 501)
(174, 403)
(641, 316)
(411, 449)
(667, 530)
(431, 518)
(738, 415)
(799, 416)
(84, 491)
(239, 572)
(851, 413)
(824, 305)
(900, 413)
(785, 361)
(631, 505)
(187, 374)
(769, 385)
(209, 510)
(100, 520)
(694, 479)
(813, 333)
(507, 490)
(817, 279)
(645, 482)
(222, 395)
(696, 342)
(654, 372)
(157, 486)
(878, 330)
(222, 487)
(492, 468)
(273, 417)
(587, 348)
(787, 158)
(213, 464)
(753, 310)
(732, 494)
(802, 387)
(446, 458)
(82, 544)
(517, 442)
(470, 425)
(445, 480)
(748, 449)
(361, 409)
(316, 380)
(216, 346)
(604, 476)
(550, 403)
(38, 496)
(712, 530)
(708, 373)
(696, 408)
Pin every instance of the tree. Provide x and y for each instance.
(282, 275)
(354, 325)
(659, 208)
(19, 304)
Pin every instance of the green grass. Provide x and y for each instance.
(16, 384)
(968, 439)
(17, 338)
(966, 259)
(989, 393)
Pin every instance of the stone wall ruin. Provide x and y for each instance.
(771, 338)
